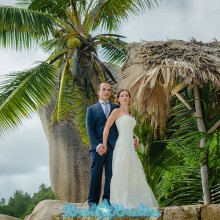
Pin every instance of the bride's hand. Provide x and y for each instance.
(102, 150)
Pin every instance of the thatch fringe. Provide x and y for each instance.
(153, 69)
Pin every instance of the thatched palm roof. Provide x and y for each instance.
(153, 69)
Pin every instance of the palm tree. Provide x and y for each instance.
(181, 182)
(71, 32)
(157, 73)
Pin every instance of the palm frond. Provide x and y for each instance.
(79, 109)
(156, 161)
(55, 8)
(110, 13)
(22, 28)
(24, 93)
(75, 16)
(105, 71)
(57, 55)
(113, 48)
(64, 99)
(215, 193)
(71, 105)
(181, 186)
(53, 45)
(23, 3)
(184, 141)
(156, 157)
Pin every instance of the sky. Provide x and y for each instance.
(24, 159)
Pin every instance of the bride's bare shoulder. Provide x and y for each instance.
(115, 112)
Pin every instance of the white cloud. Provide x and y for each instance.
(11, 61)
(24, 150)
(176, 20)
(25, 182)
(7, 2)
(24, 157)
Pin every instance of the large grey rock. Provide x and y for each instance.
(47, 210)
(211, 212)
(68, 158)
(6, 217)
(190, 212)
(52, 210)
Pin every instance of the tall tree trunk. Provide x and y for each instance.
(204, 165)
(68, 158)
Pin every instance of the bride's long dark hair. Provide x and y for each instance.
(122, 90)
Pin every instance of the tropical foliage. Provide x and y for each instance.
(71, 32)
(163, 83)
(187, 72)
(21, 204)
(172, 161)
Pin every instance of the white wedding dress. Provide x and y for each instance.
(128, 184)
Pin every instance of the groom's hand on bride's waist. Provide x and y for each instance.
(136, 143)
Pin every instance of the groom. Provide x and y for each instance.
(101, 157)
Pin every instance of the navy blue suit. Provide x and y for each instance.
(95, 123)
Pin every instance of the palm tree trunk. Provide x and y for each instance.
(68, 158)
(204, 165)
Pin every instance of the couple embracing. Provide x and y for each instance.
(110, 130)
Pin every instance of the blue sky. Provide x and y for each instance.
(24, 153)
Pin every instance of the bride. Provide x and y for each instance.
(128, 184)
